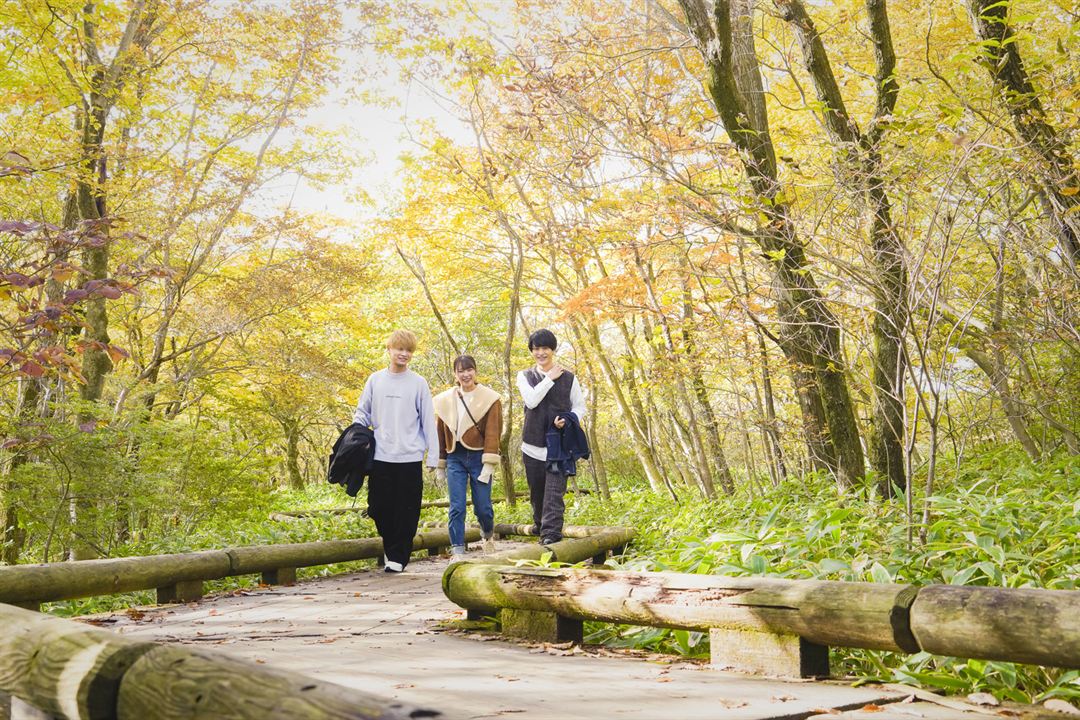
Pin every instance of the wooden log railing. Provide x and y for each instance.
(179, 577)
(54, 668)
(779, 626)
(362, 509)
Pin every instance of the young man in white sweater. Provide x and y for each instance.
(396, 404)
(547, 390)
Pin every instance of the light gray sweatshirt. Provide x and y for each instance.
(397, 406)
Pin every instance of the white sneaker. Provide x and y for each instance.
(489, 545)
(457, 554)
(392, 567)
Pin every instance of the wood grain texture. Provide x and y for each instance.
(826, 613)
(64, 668)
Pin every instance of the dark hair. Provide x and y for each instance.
(464, 362)
(543, 338)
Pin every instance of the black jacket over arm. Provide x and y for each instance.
(351, 458)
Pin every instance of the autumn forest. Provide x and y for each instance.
(801, 254)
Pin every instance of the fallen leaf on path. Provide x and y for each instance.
(872, 708)
(783, 698)
(732, 703)
(1059, 705)
(982, 698)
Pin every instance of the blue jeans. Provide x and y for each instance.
(463, 467)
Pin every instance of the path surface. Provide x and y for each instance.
(383, 633)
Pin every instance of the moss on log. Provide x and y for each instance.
(826, 613)
(86, 578)
(262, 558)
(1025, 625)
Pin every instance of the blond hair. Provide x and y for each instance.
(403, 339)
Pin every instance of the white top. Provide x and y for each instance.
(466, 403)
(532, 395)
(397, 406)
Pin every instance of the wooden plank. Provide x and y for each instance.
(174, 683)
(357, 629)
(1014, 624)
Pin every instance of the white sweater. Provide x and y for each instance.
(397, 406)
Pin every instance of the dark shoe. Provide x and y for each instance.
(549, 541)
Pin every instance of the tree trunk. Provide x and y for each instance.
(692, 430)
(1057, 169)
(697, 382)
(642, 447)
(861, 170)
(809, 332)
(13, 534)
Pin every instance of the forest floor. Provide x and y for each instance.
(398, 636)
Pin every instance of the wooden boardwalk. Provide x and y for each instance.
(386, 634)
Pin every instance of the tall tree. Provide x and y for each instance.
(859, 154)
(809, 330)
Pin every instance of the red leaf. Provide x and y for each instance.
(32, 369)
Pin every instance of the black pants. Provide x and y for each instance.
(394, 492)
(546, 490)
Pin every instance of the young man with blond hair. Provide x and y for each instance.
(396, 404)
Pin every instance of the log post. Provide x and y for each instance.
(279, 576)
(776, 654)
(540, 626)
(599, 558)
(434, 551)
(182, 592)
